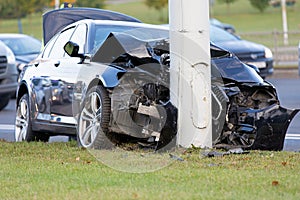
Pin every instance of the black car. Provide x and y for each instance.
(24, 47)
(248, 52)
(227, 27)
(117, 73)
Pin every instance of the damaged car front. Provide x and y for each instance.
(246, 109)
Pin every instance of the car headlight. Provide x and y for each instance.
(268, 53)
(10, 56)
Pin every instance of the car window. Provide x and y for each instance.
(219, 35)
(102, 32)
(79, 37)
(23, 45)
(48, 47)
(57, 50)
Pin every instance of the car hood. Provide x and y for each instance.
(139, 52)
(241, 47)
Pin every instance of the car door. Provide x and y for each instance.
(66, 69)
(45, 76)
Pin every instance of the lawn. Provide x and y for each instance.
(64, 171)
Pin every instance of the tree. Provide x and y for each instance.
(157, 5)
(260, 5)
(228, 2)
(20, 8)
(90, 3)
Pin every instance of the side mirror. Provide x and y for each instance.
(72, 49)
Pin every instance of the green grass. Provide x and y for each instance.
(246, 19)
(64, 171)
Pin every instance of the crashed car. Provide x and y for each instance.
(117, 73)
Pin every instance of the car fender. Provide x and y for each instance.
(110, 77)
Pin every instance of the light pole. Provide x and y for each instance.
(190, 81)
(284, 23)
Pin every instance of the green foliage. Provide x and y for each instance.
(260, 5)
(20, 8)
(90, 3)
(157, 5)
(227, 1)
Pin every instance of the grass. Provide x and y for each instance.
(64, 171)
(246, 19)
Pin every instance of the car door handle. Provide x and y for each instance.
(57, 63)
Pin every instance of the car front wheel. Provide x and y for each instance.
(94, 119)
(23, 130)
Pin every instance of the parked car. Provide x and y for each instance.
(248, 52)
(227, 27)
(8, 75)
(119, 72)
(25, 47)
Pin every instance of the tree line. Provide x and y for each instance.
(20, 8)
(16, 9)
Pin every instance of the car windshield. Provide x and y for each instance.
(146, 34)
(23, 46)
(219, 35)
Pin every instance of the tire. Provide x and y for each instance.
(23, 125)
(93, 120)
(4, 102)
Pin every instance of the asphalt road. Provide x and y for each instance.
(288, 89)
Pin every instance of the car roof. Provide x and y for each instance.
(119, 23)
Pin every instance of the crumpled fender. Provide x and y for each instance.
(272, 124)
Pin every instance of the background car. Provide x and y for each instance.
(227, 27)
(25, 47)
(248, 52)
(8, 75)
(119, 75)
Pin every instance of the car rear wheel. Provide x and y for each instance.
(94, 119)
(23, 129)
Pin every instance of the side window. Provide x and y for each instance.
(57, 50)
(79, 37)
(48, 47)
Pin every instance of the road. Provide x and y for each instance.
(288, 91)
(7, 120)
(289, 95)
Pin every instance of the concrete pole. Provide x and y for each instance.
(190, 81)
(284, 23)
